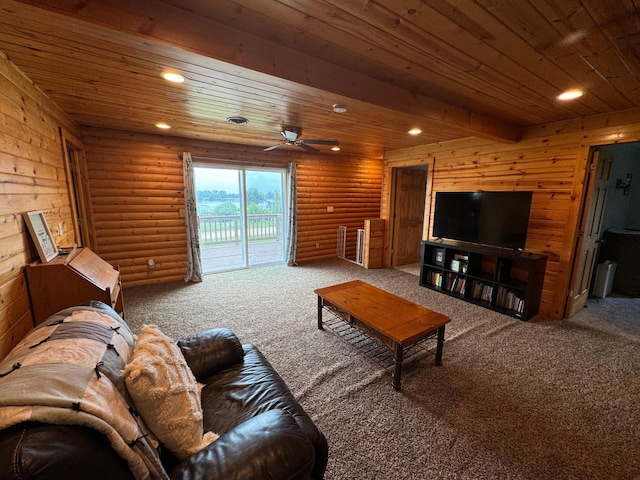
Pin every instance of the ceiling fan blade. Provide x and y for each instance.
(320, 142)
(306, 147)
(268, 149)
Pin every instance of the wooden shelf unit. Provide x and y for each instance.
(73, 279)
(506, 281)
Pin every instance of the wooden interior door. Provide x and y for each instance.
(79, 191)
(408, 218)
(590, 226)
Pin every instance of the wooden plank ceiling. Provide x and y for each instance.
(454, 68)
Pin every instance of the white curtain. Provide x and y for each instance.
(292, 239)
(194, 260)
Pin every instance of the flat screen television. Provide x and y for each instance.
(499, 219)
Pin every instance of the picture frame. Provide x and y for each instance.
(438, 256)
(41, 235)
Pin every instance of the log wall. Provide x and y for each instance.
(32, 177)
(550, 160)
(351, 187)
(137, 192)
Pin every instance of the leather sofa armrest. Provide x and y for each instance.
(210, 351)
(267, 446)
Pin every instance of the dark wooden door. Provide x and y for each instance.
(408, 215)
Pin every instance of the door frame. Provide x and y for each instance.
(394, 222)
(243, 192)
(77, 176)
(391, 202)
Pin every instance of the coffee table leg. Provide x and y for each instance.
(320, 312)
(397, 358)
(440, 345)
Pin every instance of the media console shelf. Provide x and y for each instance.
(506, 281)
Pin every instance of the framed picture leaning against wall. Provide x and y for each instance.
(41, 235)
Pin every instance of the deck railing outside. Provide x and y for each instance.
(226, 229)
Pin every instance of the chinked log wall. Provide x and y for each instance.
(137, 191)
(32, 177)
(550, 160)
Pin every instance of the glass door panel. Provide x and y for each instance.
(220, 204)
(265, 216)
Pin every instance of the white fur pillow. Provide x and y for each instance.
(166, 394)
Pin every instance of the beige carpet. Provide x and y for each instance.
(412, 268)
(513, 400)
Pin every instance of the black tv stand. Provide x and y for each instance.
(507, 281)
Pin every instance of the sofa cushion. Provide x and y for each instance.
(165, 393)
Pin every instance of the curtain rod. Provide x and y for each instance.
(180, 155)
(238, 161)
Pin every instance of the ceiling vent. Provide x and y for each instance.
(237, 120)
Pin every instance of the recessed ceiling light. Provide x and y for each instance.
(570, 94)
(335, 148)
(163, 125)
(174, 77)
(339, 108)
(415, 131)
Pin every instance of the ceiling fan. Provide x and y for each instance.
(291, 135)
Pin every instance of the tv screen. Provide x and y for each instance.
(499, 219)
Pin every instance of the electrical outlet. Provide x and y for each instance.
(151, 264)
(317, 244)
(60, 229)
(329, 209)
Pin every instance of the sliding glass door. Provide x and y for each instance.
(241, 215)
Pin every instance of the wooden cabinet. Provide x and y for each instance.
(68, 280)
(373, 243)
(505, 281)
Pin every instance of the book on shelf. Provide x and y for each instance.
(435, 279)
(455, 283)
(481, 291)
(510, 299)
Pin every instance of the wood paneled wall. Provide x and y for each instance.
(32, 177)
(137, 192)
(550, 160)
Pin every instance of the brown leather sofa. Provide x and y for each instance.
(264, 432)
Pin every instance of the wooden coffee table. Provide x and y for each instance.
(393, 321)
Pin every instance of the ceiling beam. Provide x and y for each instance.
(178, 27)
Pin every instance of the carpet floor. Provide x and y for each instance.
(512, 400)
